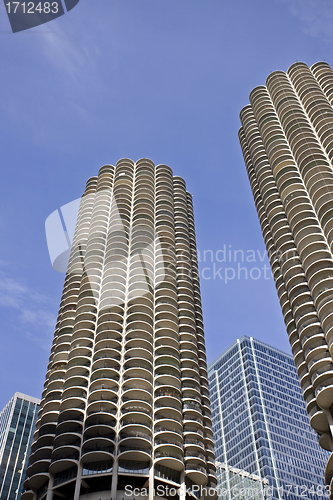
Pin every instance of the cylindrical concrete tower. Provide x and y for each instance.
(287, 142)
(125, 403)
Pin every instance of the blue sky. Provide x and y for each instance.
(163, 79)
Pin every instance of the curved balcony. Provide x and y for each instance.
(133, 409)
(74, 393)
(64, 458)
(115, 326)
(313, 342)
(102, 384)
(139, 325)
(189, 405)
(322, 275)
(77, 382)
(50, 407)
(137, 383)
(169, 456)
(169, 444)
(166, 381)
(318, 420)
(135, 435)
(45, 429)
(110, 353)
(108, 407)
(134, 396)
(113, 298)
(138, 375)
(139, 353)
(41, 455)
(324, 298)
(38, 473)
(196, 472)
(101, 418)
(97, 449)
(168, 401)
(29, 494)
(60, 357)
(168, 417)
(104, 364)
(167, 350)
(83, 338)
(81, 361)
(108, 338)
(324, 391)
(99, 431)
(166, 361)
(69, 427)
(166, 291)
(138, 343)
(308, 330)
(114, 313)
(189, 369)
(141, 363)
(137, 450)
(70, 413)
(326, 441)
(329, 470)
(104, 394)
(67, 439)
(62, 345)
(54, 386)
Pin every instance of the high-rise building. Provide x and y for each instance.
(261, 427)
(287, 142)
(126, 401)
(17, 425)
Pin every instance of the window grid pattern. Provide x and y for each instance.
(17, 424)
(260, 423)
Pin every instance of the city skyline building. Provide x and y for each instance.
(264, 444)
(287, 142)
(125, 402)
(17, 425)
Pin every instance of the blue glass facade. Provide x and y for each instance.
(260, 423)
(17, 424)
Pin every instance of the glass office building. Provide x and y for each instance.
(260, 422)
(17, 424)
(239, 484)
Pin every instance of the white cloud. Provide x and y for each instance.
(315, 16)
(30, 310)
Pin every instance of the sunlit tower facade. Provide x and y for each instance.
(287, 142)
(125, 402)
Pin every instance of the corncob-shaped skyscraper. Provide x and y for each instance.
(287, 142)
(126, 402)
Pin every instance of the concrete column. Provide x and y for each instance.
(78, 483)
(151, 482)
(182, 495)
(114, 479)
(49, 495)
